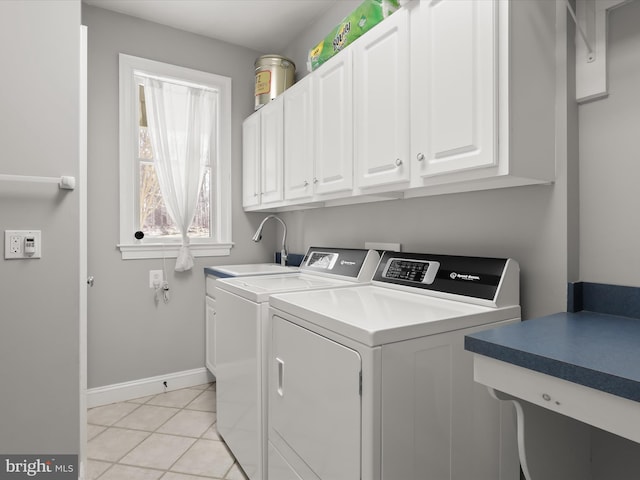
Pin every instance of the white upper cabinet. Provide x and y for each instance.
(251, 153)
(381, 103)
(272, 140)
(483, 93)
(442, 96)
(453, 86)
(333, 124)
(298, 140)
(262, 156)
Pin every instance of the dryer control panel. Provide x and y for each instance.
(419, 271)
(470, 277)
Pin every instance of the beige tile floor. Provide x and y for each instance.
(169, 436)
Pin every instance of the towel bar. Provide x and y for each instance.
(64, 182)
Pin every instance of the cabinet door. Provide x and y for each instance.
(314, 401)
(298, 140)
(251, 160)
(333, 122)
(381, 97)
(272, 140)
(453, 86)
(209, 334)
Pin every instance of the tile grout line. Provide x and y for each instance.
(113, 426)
(194, 440)
(198, 438)
(178, 410)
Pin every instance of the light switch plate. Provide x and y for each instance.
(14, 244)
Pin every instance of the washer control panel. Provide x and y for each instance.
(418, 271)
(323, 260)
(351, 263)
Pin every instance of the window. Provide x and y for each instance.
(142, 206)
(153, 218)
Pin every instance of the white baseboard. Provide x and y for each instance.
(120, 392)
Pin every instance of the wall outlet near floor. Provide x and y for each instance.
(22, 244)
(155, 278)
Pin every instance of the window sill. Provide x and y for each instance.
(140, 251)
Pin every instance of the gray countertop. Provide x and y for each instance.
(596, 350)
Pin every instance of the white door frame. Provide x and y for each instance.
(82, 191)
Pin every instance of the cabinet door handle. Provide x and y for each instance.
(398, 162)
(420, 157)
(306, 184)
(315, 180)
(280, 389)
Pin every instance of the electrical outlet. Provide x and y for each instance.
(21, 244)
(15, 245)
(155, 278)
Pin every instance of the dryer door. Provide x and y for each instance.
(314, 408)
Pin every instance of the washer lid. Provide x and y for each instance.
(259, 288)
(375, 315)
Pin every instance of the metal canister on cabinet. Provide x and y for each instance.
(274, 74)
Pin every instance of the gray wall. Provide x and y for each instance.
(609, 162)
(609, 219)
(129, 337)
(39, 298)
(528, 224)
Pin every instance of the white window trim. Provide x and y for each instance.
(221, 202)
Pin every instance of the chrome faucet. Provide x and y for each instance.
(258, 236)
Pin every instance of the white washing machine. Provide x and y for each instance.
(229, 271)
(242, 319)
(373, 382)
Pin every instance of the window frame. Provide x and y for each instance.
(220, 243)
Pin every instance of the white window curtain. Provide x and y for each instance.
(180, 120)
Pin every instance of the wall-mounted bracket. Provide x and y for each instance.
(586, 34)
(591, 46)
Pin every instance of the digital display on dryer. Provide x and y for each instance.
(411, 270)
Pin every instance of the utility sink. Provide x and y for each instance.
(250, 269)
(243, 270)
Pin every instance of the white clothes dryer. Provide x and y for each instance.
(241, 343)
(373, 382)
